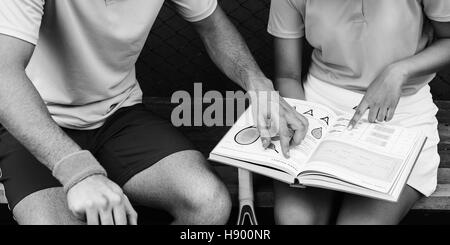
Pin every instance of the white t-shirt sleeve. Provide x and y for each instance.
(195, 10)
(21, 19)
(285, 19)
(437, 10)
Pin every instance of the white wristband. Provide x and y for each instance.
(76, 167)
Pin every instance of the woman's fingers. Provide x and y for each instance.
(390, 114)
(382, 114)
(373, 113)
(359, 113)
(391, 110)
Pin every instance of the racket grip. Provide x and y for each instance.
(245, 186)
(247, 214)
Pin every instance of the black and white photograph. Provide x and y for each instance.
(229, 119)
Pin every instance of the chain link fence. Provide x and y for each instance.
(174, 57)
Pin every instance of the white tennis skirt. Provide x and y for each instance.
(416, 111)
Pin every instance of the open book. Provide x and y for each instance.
(373, 160)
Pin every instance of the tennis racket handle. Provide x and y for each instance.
(245, 185)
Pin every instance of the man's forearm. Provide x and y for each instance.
(271, 114)
(229, 52)
(24, 114)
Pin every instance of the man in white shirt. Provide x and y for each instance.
(77, 141)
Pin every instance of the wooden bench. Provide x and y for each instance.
(206, 138)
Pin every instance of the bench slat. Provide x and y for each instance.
(444, 176)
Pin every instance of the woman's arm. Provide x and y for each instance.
(432, 59)
(288, 67)
(384, 93)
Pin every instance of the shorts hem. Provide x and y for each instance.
(12, 205)
(147, 163)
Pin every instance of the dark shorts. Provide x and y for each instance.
(130, 141)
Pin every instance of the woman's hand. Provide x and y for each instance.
(382, 97)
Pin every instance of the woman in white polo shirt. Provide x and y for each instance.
(379, 55)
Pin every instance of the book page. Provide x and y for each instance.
(370, 155)
(356, 165)
(243, 141)
(376, 137)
